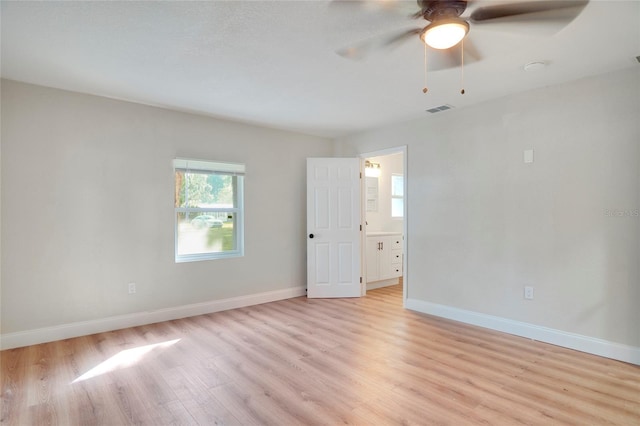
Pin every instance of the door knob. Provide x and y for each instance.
(310, 235)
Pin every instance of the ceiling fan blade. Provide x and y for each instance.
(437, 59)
(356, 52)
(416, 15)
(401, 37)
(538, 10)
(363, 49)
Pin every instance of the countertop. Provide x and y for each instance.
(382, 233)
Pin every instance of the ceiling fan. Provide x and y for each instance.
(447, 25)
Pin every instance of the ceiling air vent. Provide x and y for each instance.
(439, 108)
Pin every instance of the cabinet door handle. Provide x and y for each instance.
(382, 245)
(310, 235)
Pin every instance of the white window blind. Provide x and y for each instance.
(200, 166)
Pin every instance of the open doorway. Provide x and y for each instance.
(384, 208)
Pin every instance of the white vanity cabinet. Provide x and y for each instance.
(384, 256)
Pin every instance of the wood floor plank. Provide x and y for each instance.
(363, 361)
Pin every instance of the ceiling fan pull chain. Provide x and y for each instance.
(462, 67)
(424, 89)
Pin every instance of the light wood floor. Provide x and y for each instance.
(349, 361)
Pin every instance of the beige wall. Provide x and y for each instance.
(87, 207)
(482, 224)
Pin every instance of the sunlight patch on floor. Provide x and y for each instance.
(123, 359)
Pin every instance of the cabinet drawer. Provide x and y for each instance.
(396, 243)
(396, 270)
(396, 257)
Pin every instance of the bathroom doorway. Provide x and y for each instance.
(385, 209)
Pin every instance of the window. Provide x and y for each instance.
(208, 210)
(397, 196)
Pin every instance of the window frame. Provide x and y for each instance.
(236, 170)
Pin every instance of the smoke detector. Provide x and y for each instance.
(535, 66)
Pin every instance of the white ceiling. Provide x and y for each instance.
(273, 63)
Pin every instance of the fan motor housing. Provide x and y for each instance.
(432, 10)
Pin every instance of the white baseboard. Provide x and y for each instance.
(83, 328)
(384, 283)
(565, 339)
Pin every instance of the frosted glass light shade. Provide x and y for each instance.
(445, 33)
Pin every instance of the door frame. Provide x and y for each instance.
(363, 255)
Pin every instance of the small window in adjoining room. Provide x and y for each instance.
(208, 210)
(397, 196)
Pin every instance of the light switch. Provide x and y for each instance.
(528, 156)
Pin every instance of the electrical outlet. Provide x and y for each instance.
(132, 288)
(528, 292)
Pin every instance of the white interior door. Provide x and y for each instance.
(333, 227)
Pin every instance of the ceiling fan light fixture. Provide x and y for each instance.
(445, 33)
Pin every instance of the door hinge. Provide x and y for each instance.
(361, 227)
(360, 280)
(360, 175)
